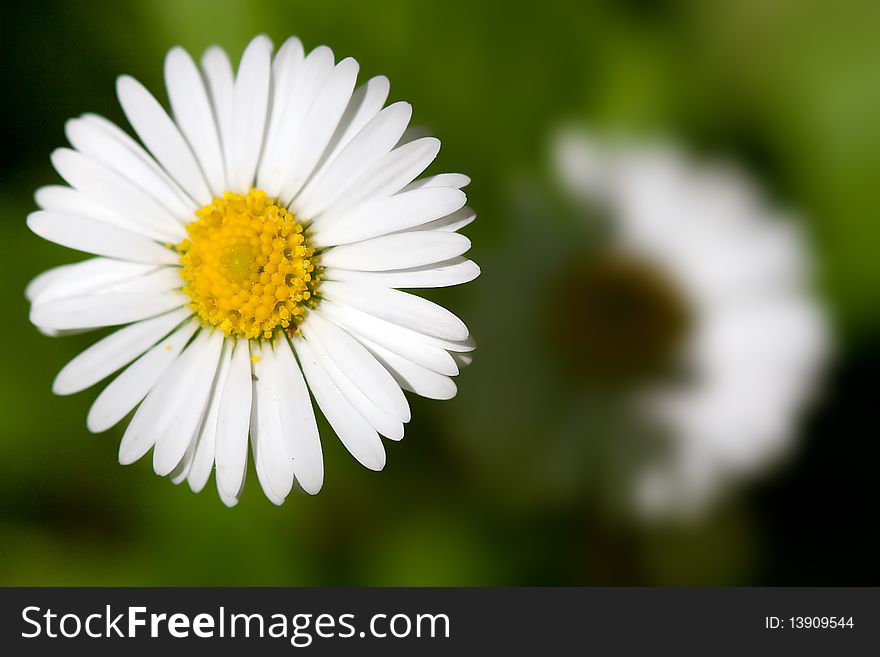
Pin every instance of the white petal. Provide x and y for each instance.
(451, 222)
(114, 351)
(94, 139)
(410, 376)
(457, 180)
(193, 114)
(298, 420)
(408, 344)
(233, 422)
(381, 421)
(284, 67)
(275, 465)
(82, 278)
(366, 147)
(169, 193)
(358, 365)
(96, 237)
(205, 447)
(359, 438)
(164, 279)
(104, 309)
(287, 71)
(249, 110)
(399, 308)
(229, 500)
(365, 103)
(392, 172)
(413, 133)
(463, 360)
(221, 87)
(302, 89)
(129, 207)
(319, 126)
(468, 344)
(387, 215)
(260, 465)
(67, 200)
(443, 274)
(181, 471)
(184, 398)
(156, 414)
(161, 136)
(130, 387)
(398, 251)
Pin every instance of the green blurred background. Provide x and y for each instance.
(789, 88)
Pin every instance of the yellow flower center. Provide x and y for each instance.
(247, 266)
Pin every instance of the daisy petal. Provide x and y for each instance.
(164, 279)
(193, 114)
(451, 222)
(181, 471)
(104, 309)
(82, 278)
(302, 89)
(359, 438)
(298, 419)
(358, 365)
(388, 215)
(393, 171)
(233, 422)
(67, 200)
(128, 206)
(99, 238)
(383, 423)
(413, 133)
(319, 125)
(205, 445)
(275, 465)
(169, 193)
(130, 387)
(398, 251)
(161, 137)
(93, 138)
(398, 307)
(442, 274)
(229, 500)
(412, 377)
(364, 149)
(284, 68)
(365, 103)
(221, 87)
(457, 180)
(287, 72)
(250, 106)
(188, 395)
(157, 412)
(394, 338)
(113, 352)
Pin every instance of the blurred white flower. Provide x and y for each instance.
(757, 337)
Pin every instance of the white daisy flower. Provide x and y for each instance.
(252, 247)
(723, 282)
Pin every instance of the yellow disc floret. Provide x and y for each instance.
(247, 266)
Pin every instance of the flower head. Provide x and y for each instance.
(251, 246)
(716, 286)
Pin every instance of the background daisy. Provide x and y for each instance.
(714, 284)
